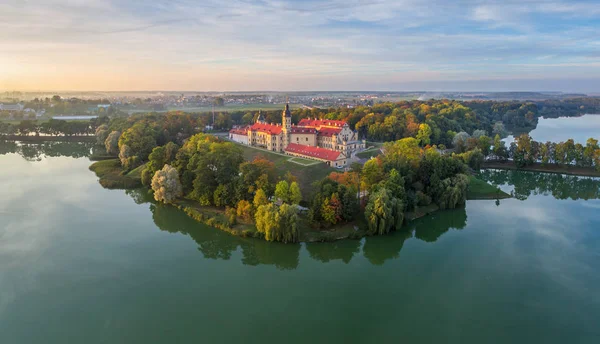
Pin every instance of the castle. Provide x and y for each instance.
(325, 140)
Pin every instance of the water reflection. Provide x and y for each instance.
(560, 186)
(38, 151)
(342, 250)
(215, 244)
(381, 248)
(430, 229)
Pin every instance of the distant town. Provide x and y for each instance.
(31, 105)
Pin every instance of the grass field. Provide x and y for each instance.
(479, 189)
(111, 176)
(369, 153)
(136, 173)
(306, 171)
(374, 144)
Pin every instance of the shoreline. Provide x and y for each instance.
(548, 168)
(111, 177)
(33, 138)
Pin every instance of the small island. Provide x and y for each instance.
(268, 191)
(307, 175)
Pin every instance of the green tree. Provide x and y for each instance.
(500, 150)
(166, 185)
(424, 134)
(499, 129)
(287, 218)
(260, 198)
(590, 150)
(223, 195)
(295, 194)
(460, 141)
(112, 143)
(101, 134)
(523, 152)
(277, 223)
(282, 191)
(141, 139)
(383, 213)
(372, 173)
(485, 144)
(479, 133)
(266, 220)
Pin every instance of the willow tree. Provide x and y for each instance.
(166, 185)
(112, 143)
(384, 213)
(101, 134)
(277, 223)
(454, 192)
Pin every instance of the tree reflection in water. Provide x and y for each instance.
(535, 183)
(431, 228)
(216, 244)
(325, 252)
(37, 151)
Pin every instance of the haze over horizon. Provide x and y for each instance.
(291, 45)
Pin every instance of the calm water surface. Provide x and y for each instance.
(561, 129)
(80, 264)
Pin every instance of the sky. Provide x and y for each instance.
(293, 45)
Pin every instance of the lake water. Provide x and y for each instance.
(80, 264)
(74, 117)
(561, 129)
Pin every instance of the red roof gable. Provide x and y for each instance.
(314, 152)
(303, 130)
(266, 128)
(316, 123)
(239, 131)
(329, 131)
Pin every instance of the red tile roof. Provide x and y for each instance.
(266, 128)
(239, 131)
(329, 131)
(317, 123)
(314, 152)
(303, 130)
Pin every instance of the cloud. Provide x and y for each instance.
(199, 44)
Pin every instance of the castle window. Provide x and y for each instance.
(307, 139)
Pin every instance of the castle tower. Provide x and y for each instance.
(286, 123)
(260, 118)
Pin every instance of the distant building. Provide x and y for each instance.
(11, 107)
(239, 135)
(324, 140)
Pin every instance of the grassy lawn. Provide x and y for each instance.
(136, 173)
(306, 175)
(112, 177)
(374, 144)
(479, 189)
(369, 153)
(302, 161)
